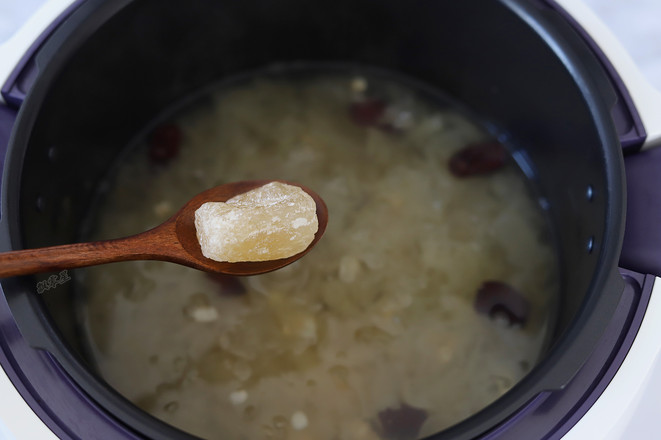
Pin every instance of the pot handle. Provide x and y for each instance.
(643, 100)
(18, 49)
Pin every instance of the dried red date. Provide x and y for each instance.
(403, 423)
(478, 159)
(495, 299)
(228, 285)
(164, 143)
(368, 112)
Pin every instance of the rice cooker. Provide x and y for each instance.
(83, 77)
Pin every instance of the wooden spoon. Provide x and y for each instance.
(174, 241)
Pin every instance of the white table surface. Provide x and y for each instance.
(637, 24)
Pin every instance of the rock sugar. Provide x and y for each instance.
(273, 221)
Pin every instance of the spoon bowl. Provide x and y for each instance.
(185, 229)
(175, 241)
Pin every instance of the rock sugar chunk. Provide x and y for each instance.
(271, 222)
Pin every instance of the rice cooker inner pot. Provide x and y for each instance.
(114, 66)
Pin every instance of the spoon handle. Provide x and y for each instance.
(149, 245)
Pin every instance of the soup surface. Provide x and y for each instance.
(428, 297)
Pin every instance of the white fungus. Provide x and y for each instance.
(299, 420)
(204, 314)
(238, 397)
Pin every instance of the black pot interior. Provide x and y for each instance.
(106, 74)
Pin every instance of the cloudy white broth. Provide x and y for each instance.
(429, 296)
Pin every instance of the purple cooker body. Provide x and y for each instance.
(71, 414)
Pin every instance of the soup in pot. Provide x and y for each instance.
(429, 297)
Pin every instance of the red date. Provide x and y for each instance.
(368, 112)
(478, 159)
(227, 284)
(496, 299)
(403, 423)
(164, 143)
